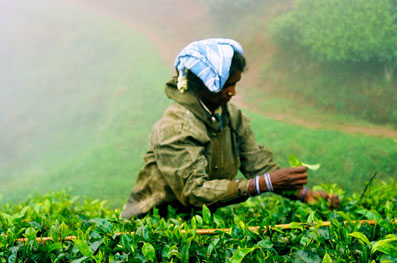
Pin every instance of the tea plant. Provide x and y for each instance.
(99, 235)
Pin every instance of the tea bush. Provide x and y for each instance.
(101, 236)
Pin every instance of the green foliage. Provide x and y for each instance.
(294, 162)
(346, 160)
(103, 237)
(339, 56)
(339, 30)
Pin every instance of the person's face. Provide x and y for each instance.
(214, 100)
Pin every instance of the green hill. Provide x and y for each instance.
(83, 93)
(84, 88)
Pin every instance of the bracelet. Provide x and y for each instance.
(303, 194)
(258, 190)
(268, 181)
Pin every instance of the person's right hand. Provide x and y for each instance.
(289, 178)
(311, 197)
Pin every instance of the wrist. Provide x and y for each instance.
(302, 194)
(259, 184)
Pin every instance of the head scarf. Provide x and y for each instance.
(208, 59)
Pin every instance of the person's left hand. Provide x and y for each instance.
(312, 197)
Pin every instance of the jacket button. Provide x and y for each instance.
(213, 118)
(214, 134)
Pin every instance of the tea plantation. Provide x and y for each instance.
(78, 230)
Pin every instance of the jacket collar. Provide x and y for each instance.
(193, 104)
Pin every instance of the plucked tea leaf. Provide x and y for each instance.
(312, 167)
(293, 161)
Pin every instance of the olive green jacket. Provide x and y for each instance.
(193, 161)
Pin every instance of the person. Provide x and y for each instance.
(202, 140)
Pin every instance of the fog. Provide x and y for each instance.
(64, 64)
(45, 71)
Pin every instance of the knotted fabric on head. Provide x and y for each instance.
(208, 59)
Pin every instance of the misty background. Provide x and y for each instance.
(81, 85)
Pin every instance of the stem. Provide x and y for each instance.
(366, 186)
(216, 231)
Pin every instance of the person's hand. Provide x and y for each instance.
(289, 178)
(311, 197)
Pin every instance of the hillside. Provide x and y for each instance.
(83, 102)
(84, 85)
(272, 85)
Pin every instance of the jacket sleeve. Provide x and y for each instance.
(180, 155)
(255, 159)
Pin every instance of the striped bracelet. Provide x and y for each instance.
(303, 194)
(268, 182)
(258, 190)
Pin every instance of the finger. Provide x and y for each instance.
(299, 176)
(334, 199)
(300, 182)
(293, 186)
(322, 194)
(299, 169)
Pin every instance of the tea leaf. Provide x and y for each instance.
(206, 214)
(94, 246)
(54, 246)
(240, 254)
(79, 260)
(293, 161)
(303, 256)
(148, 251)
(383, 245)
(266, 244)
(13, 257)
(370, 214)
(312, 167)
(103, 226)
(219, 222)
(83, 247)
(327, 258)
(360, 236)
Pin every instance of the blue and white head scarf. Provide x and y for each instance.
(208, 59)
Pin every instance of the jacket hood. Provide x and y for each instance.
(186, 99)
